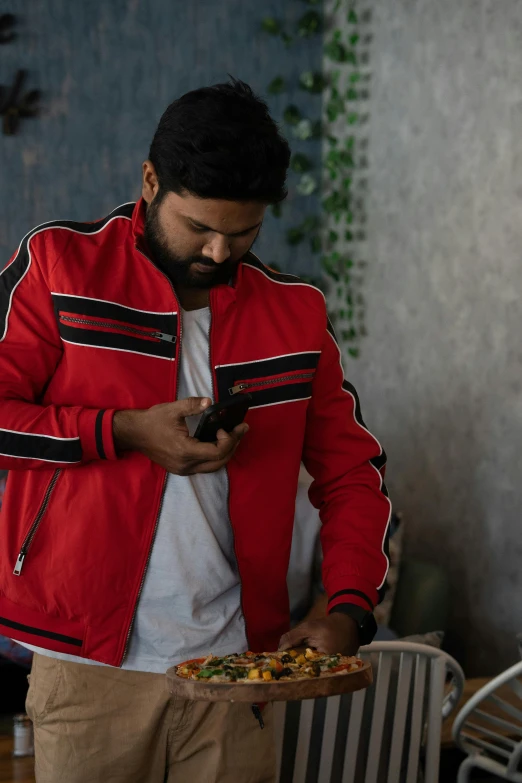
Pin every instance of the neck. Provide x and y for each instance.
(193, 298)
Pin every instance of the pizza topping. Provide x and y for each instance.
(266, 667)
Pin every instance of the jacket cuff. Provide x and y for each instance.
(358, 592)
(96, 436)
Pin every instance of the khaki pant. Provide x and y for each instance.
(95, 724)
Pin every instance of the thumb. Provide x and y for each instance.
(191, 406)
(294, 638)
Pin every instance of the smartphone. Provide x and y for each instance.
(222, 416)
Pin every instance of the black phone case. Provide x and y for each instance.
(222, 416)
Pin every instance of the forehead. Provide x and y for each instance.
(223, 216)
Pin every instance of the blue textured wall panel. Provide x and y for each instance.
(107, 71)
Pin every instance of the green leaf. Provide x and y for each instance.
(292, 115)
(352, 118)
(271, 26)
(312, 82)
(352, 94)
(352, 17)
(276, 86)
(349, 334)
(347, 263)
(303, 130)
(307, 185)
(350, 142)
(347, 159)
(350, 57)
(294, 236)
(355, 77)
(287, 39)
(346, 183)
(335, 51)
(348, 236)
(332, 140)
(337, 35)
(333, 109)
(354, 352)
(354, 39)
(311, 223)
(316, 244)
(300, 163)
(277, 210)
(309, 24)
(333, 236)
(317, 129)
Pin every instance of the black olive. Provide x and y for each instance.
(286, 672)
(316, 669)
(286, 659)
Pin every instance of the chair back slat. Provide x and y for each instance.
(352, 741)
(399, 719)
(328, 746)
(416, 719)
(510, 709)
(516, 687)
(434, 723)
(379, 713)
(471, 739)
(513, 728)
(303, 741)
(500, 738)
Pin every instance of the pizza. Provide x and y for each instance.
(252, 667)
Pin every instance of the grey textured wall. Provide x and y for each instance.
(107, 70)
(441, 373)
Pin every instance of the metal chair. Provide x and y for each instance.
(489, 728)
(377, 735)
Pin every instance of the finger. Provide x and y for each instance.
(238, 432)
(191, 406)
(295, 637)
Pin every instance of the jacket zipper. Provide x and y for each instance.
(244, 385)
(34, 527)
(170, 338)
(140, 589)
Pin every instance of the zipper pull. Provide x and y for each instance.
(19, 564)
(169, 338)
(236, 389)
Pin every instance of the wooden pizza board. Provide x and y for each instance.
(259, 692)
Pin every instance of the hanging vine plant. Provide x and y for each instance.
(338, 231)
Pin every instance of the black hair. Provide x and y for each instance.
(221, 142)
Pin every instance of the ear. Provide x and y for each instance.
(150, 183)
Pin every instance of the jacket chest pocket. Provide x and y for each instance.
(271, 381)
(99, 324)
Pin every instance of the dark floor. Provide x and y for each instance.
(450, 761)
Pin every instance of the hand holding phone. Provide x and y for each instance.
(222, 416)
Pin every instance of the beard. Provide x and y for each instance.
(178, 269)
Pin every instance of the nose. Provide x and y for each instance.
(218, 249)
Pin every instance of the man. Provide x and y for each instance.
(125, 541)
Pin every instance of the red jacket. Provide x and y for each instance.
(88, 325)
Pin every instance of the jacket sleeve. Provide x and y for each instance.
(347, 464)
(32, 435)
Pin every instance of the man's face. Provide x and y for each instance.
(199, 242)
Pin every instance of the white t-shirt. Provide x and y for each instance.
(190, 604)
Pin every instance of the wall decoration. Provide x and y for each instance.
(16, 102)
(338, 232)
